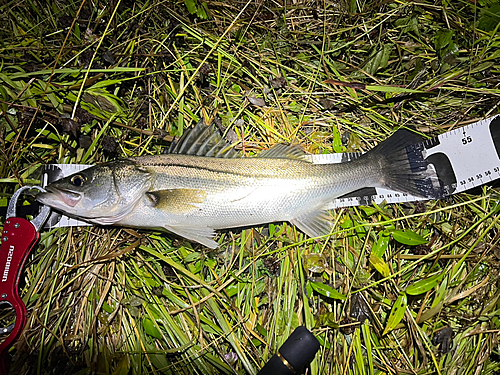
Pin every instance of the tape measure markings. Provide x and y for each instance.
(466, 157)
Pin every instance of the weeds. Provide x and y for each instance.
(396, 289)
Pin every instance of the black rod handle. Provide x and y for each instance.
(295, 353)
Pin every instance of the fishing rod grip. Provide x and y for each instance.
(295, 353)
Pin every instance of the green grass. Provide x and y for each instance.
(123, 78)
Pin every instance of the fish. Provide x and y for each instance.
(203, 184)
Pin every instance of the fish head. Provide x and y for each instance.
(103, 194)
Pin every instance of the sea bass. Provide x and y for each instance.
(203, 185)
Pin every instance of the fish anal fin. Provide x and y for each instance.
(314, 224)
(201, 235)
(284, 151)
(176, 200)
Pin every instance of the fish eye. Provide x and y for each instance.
(77, 180)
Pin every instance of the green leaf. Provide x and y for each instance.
(380, 265)
(381, 245)
(158, 360)
(397, 313)
(407, 237)
(295, 107)
(408, 24)
(105, 83)
(326, 290)
(236, 88)
(201, 12)
(106, 307)
(327, 320)
(361, 231)
(412, 26)
(379, 60)
(368, 210)
(489, 18)
(423, 286)
(367, 337)
(191, 6)
(394, 89)
(5, 78)
(442, 39)
(122, 367)
(484, 66)
(359, 361)
(309, 289)
(77, 31)
(346, 223)
(3, 93)
(337, 140)
(54, 100)
(151, 329)
(231, 290)
(192, 257)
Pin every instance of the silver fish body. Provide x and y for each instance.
(194, 195)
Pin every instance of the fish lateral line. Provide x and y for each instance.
(189, 195)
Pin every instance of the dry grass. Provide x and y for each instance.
(84, 82)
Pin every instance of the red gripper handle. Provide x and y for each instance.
(18, 238)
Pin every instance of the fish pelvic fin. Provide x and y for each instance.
(314, 224)
(402, 159)
(201, 235)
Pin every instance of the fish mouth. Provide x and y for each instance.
(58, 198)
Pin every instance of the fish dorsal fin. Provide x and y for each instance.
(284, 151)
(202, 140)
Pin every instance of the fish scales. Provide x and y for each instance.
(194, 194)
(248, 191)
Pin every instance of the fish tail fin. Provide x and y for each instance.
(402, 160)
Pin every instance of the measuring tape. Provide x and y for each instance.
(463, 158)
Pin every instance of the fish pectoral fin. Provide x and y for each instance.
(314, 224)
(176, 200)
(284, 151)
(201, 235)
